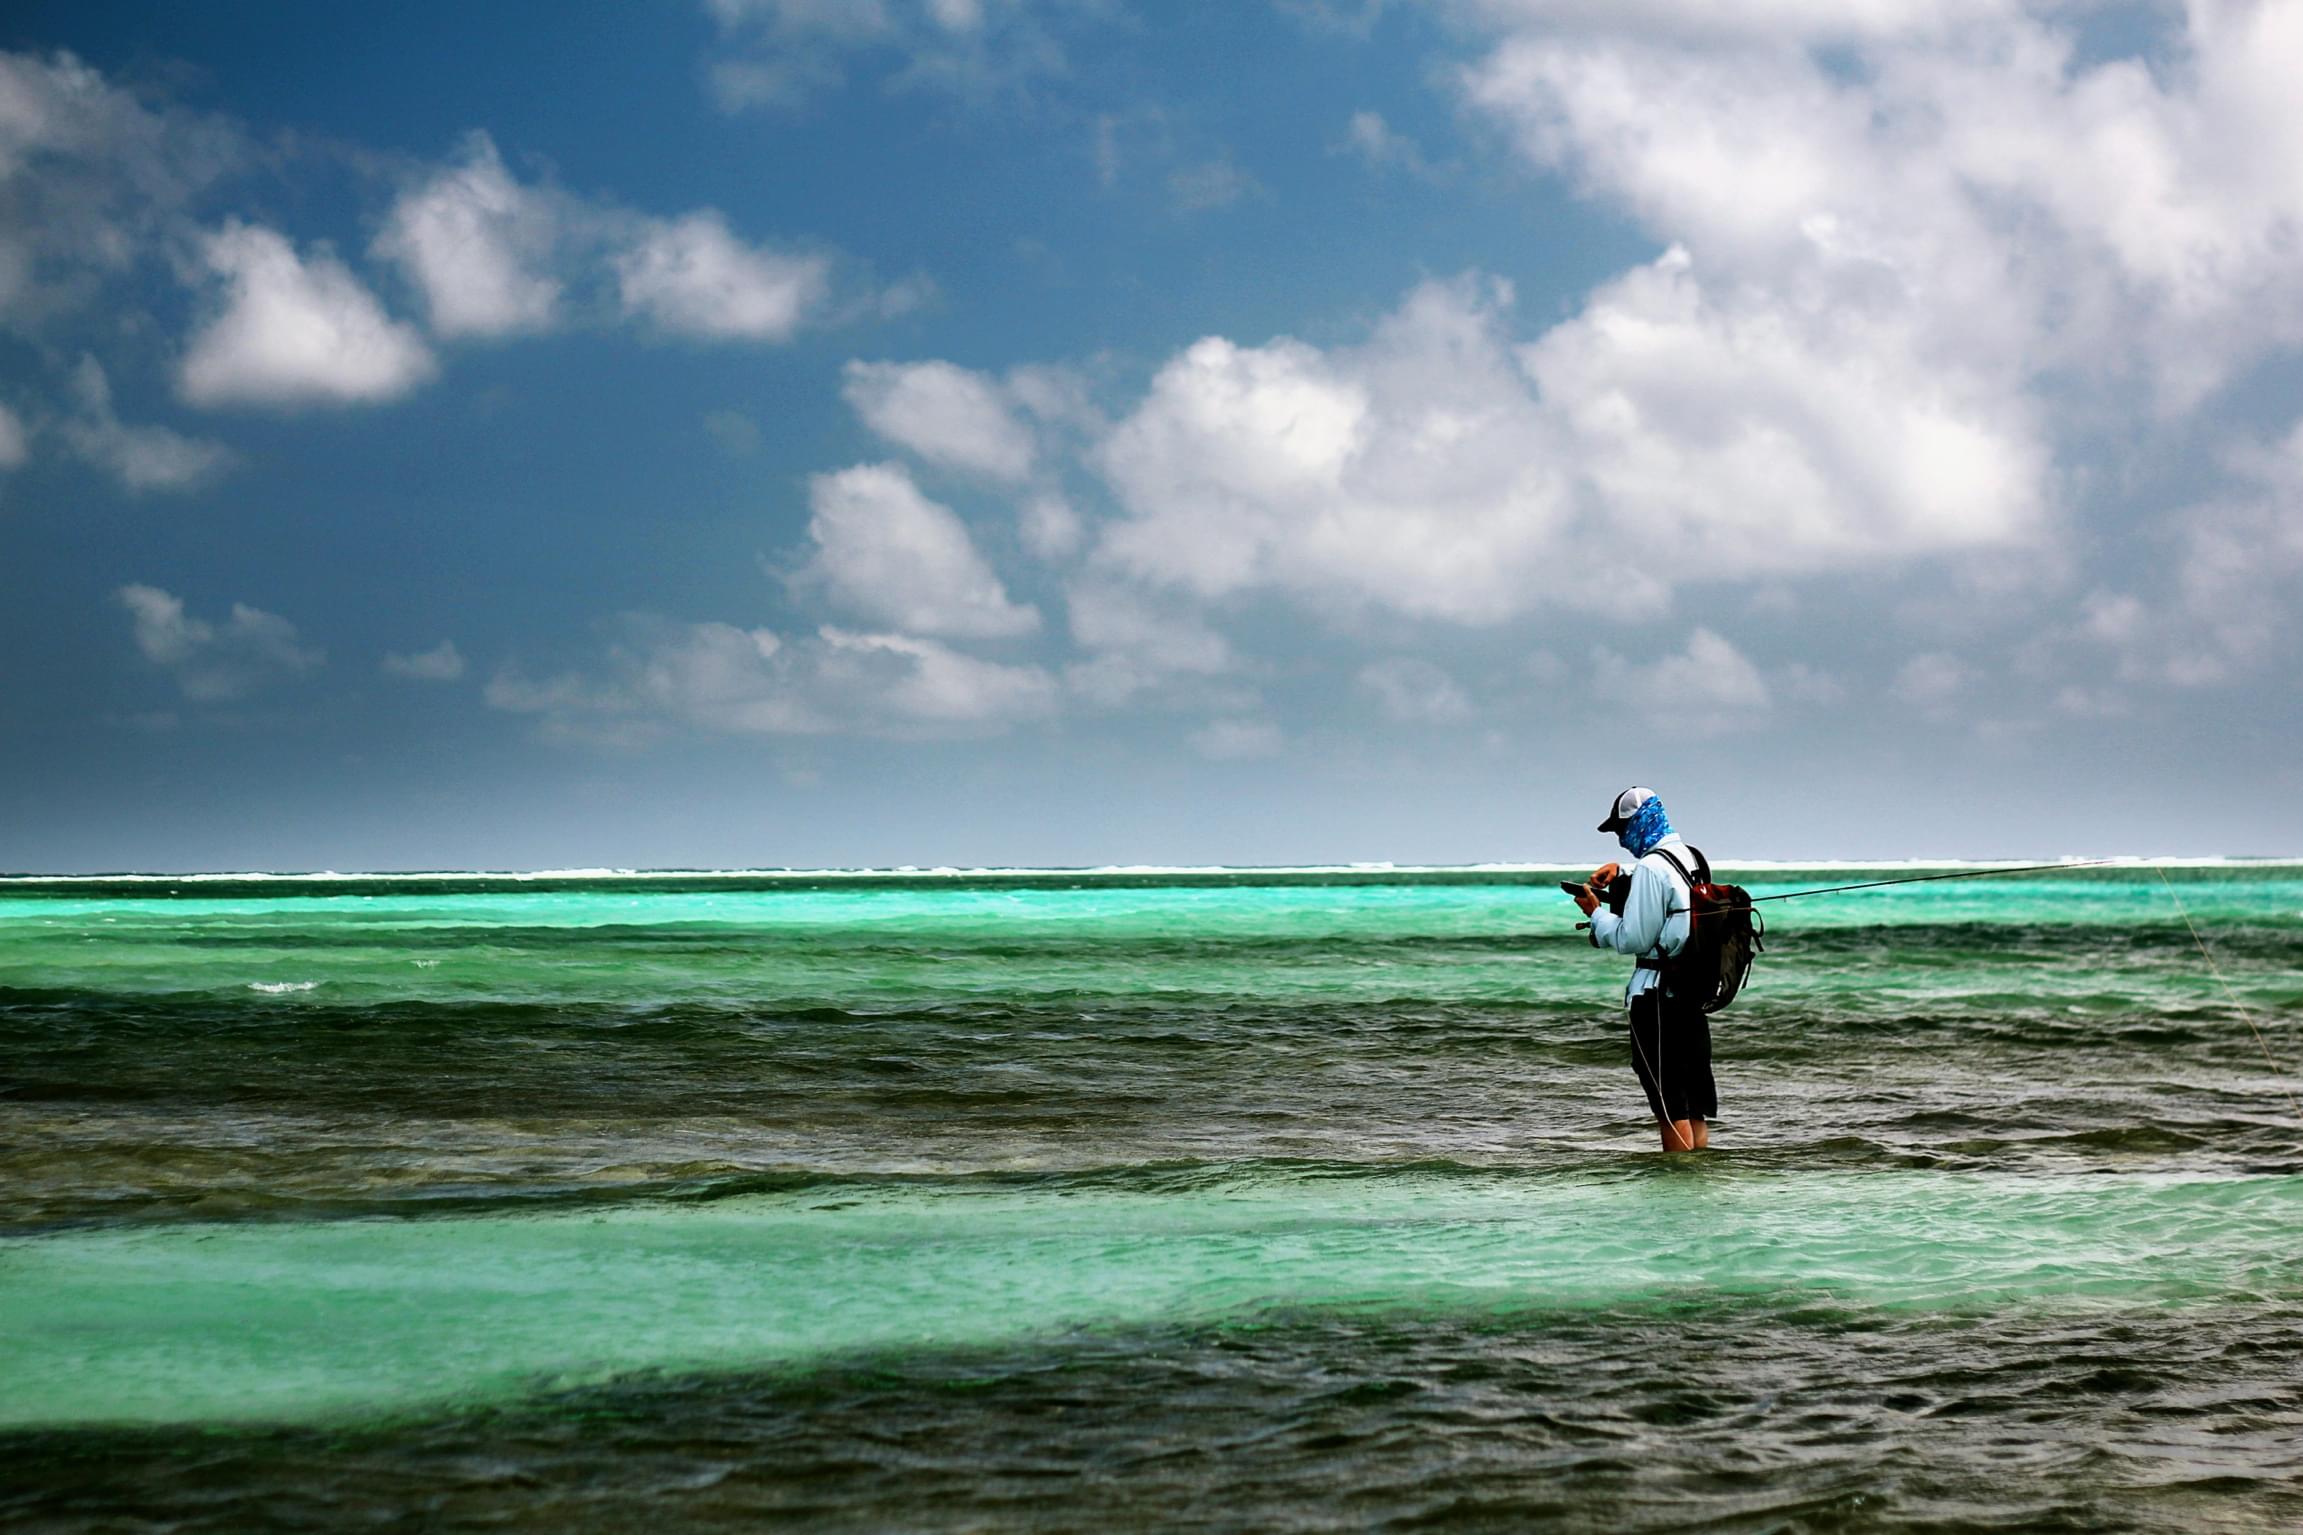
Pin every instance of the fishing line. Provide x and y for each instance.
(2086, 863)
(2209, 955)
(1921, 879)
(2049, 868)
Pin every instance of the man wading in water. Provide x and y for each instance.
(1648, 918)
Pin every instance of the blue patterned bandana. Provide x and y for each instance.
(1648, 826)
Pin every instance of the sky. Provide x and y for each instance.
(800, 433)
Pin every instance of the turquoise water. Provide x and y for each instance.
(1239, 1199)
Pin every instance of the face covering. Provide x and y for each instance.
(1647, 826)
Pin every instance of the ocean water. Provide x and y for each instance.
(1192, 1199)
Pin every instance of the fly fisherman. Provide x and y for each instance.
(1670, 1034)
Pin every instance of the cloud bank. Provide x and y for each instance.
(1909, 266)
(716, 678)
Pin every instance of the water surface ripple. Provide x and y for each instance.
(1205, 1201)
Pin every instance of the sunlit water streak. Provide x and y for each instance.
(319, 1319)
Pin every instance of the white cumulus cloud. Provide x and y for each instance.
(948, 415)
(2021, 210)
(294, 331)
(478, 246)
(916, 679)
(884, 550)
(660, 677)
(1749, 441)
(691, 276)
(1443, 470)
(215, 662)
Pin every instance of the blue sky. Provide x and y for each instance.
(779, 432)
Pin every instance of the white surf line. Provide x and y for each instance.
(2244, 1012)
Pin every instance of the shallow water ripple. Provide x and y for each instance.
(1058, 1201)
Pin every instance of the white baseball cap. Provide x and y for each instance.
(1626, 806)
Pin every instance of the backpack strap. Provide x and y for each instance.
(1669, 857)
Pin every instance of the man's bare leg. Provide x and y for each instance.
(1702, 1133)
(1680, 1134)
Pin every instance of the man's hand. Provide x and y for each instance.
(1595, 889)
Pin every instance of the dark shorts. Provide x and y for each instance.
(1671, 1051)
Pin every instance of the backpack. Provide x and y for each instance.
(1724, 933)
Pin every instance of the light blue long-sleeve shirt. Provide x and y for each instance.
(1654, 920)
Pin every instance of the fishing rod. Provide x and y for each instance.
(1909, 879)
(1921, 879)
